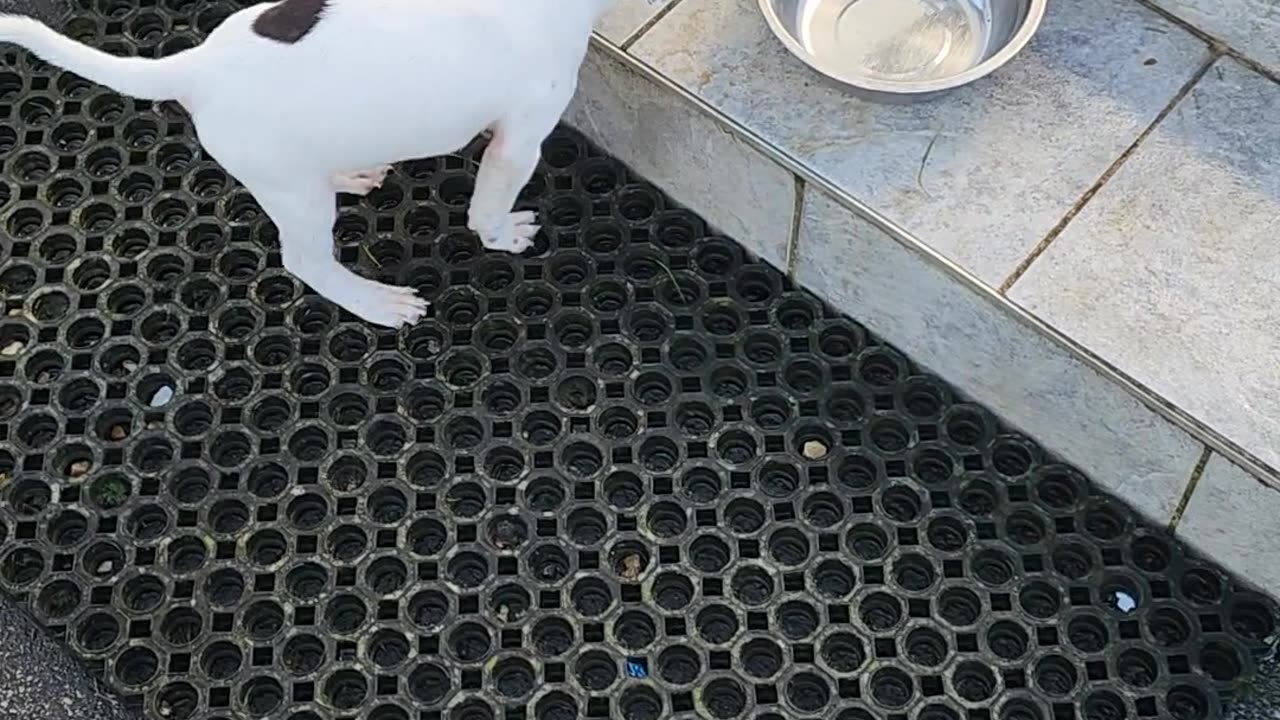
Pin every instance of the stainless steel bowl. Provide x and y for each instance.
(902, 50)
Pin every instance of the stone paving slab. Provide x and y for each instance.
(1226, 500)
(1171, 270)
(1010, 155)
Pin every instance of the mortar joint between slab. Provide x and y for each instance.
(1192, 483)
(1254, 65)
(1214, 43)
(647, 25)
(1216, 51)
(1179, 21)
(793, 241)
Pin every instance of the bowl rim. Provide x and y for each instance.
(1035, 14)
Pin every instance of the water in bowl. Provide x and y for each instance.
(897, 40)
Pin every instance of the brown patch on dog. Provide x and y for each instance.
(289, 21)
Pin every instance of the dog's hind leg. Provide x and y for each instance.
(304, 214)
(508, 163)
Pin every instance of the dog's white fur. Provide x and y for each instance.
(374, 82)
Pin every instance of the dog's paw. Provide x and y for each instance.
(386, 305)
(362, 182)
(514, 235)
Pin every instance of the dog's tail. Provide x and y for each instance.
(142, 78)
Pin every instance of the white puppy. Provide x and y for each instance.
(300, 99)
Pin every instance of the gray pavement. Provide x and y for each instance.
(39, 680)
(49, 11)
(1260, 698)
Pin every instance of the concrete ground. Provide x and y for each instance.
(48, 10)
(1262, 699)
(39, 680)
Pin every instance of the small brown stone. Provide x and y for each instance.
(632, 565)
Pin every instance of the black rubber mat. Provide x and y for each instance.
(633, 474)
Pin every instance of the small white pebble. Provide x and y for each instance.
(78, 468)
(814, 450)
(104, 567)
(13, 348)
(1125, 602)
(162, 396)
(128, 365)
